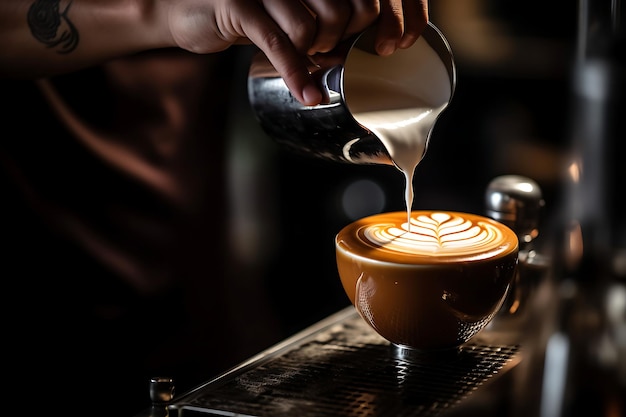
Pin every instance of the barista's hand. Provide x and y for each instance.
(289, 30)
(45, 37)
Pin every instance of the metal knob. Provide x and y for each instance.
(161, 390)
(516, 201)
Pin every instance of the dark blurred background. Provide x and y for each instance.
(281, 211)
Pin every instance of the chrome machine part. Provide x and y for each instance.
(516, 201)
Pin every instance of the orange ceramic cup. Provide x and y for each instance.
(430, 283)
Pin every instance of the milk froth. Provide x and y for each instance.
(400, 109)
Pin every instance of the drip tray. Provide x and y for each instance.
(341, 367)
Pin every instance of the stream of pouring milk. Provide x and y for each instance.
(399, 102)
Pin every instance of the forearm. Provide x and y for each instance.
(45, 37)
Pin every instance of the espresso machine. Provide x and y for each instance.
(558, 346)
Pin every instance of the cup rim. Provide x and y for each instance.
(509, 247)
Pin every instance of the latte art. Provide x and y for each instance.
(428, 237)
(435, 234)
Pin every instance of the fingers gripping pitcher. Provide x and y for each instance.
(370, 101)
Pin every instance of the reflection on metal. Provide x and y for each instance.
(516, 201)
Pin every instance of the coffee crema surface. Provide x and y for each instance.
(432, 284)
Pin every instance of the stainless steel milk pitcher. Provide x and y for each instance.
(329, 130)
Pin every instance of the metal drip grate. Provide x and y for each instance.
(344, 368)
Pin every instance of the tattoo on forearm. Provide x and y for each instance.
(51, 27)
